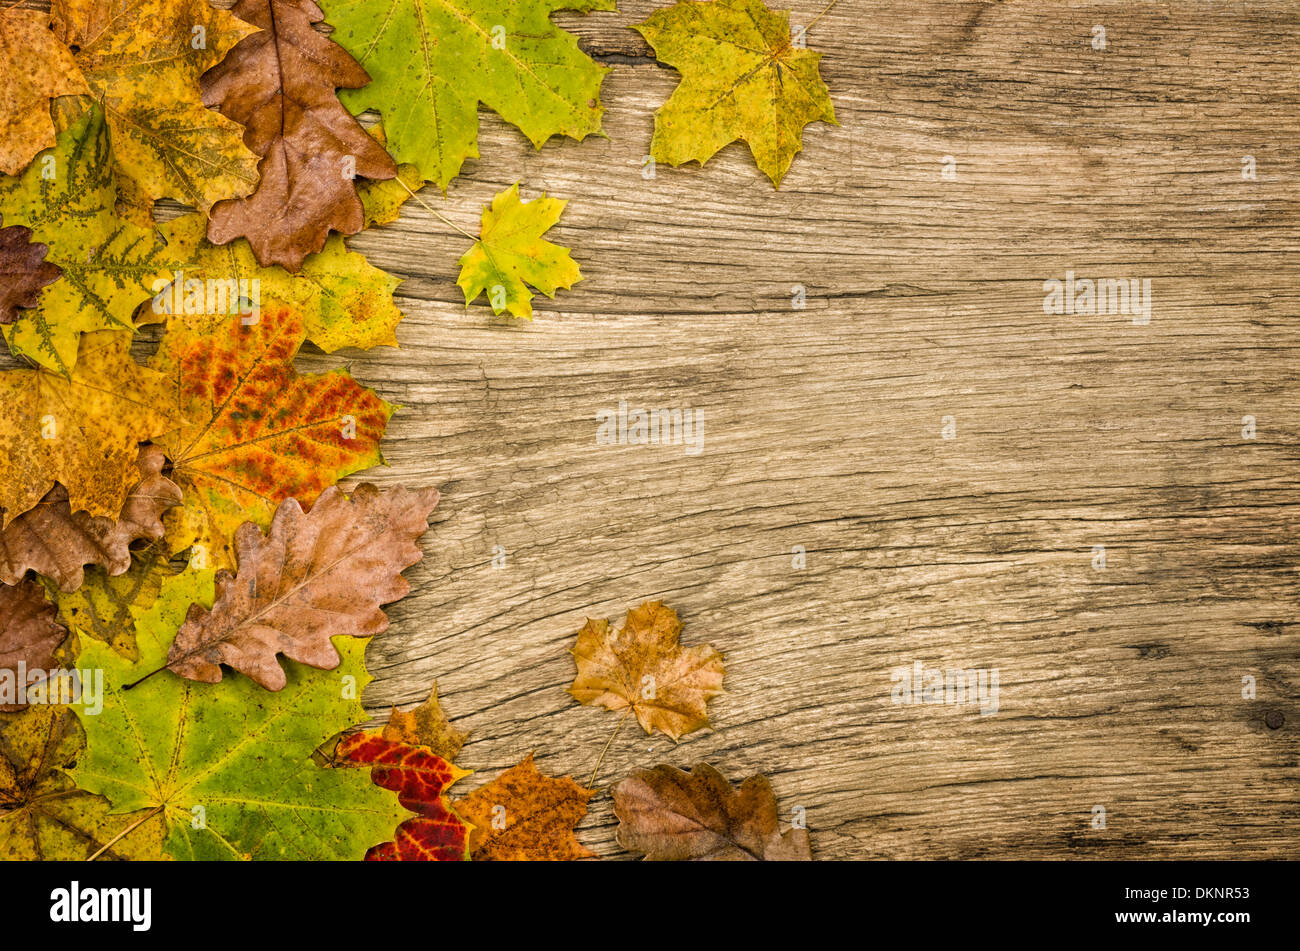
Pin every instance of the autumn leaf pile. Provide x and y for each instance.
(174, 524)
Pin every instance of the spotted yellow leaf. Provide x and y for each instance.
(82, 430)
(36, 68)
(743, 78)
(142, 60)
(109, 265)
(344, 300)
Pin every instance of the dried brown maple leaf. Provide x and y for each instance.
(642, 666)
(23, 271)
(280, 84)
(55, 541)
(523, 816)
(29, 633)
(426, 725)
(313, 576)
(672, 815)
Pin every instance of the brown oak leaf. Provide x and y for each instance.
(280, 84)
(313, 576)
(426, 725)
(55, 541)
(524, 816)
(29, 635)
(671, 815)
(23, 271)
(641, 665)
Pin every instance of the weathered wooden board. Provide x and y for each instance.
(823, 429)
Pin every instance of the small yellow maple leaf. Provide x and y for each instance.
(511, 252)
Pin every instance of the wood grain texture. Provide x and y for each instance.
(822, 429)
(1120, 687)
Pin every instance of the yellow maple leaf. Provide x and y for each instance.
(82, 430)
(142, 60)
(109, 264)
(512, 252)
(343, 299)
(36, 68)
(742, 78)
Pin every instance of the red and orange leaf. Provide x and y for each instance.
(258, 432)
(420, 779)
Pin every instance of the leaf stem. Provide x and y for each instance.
(131, 828)
(136, 683)
(818, 17)
(429, 208)
(591, 783)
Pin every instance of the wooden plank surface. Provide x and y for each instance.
(822, 428)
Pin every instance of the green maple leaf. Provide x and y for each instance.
(230, 766)
(742, 79)
(511, 250)
(110, 265)
(432, 62)
(343, 299)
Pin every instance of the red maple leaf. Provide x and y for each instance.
(420, 780)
